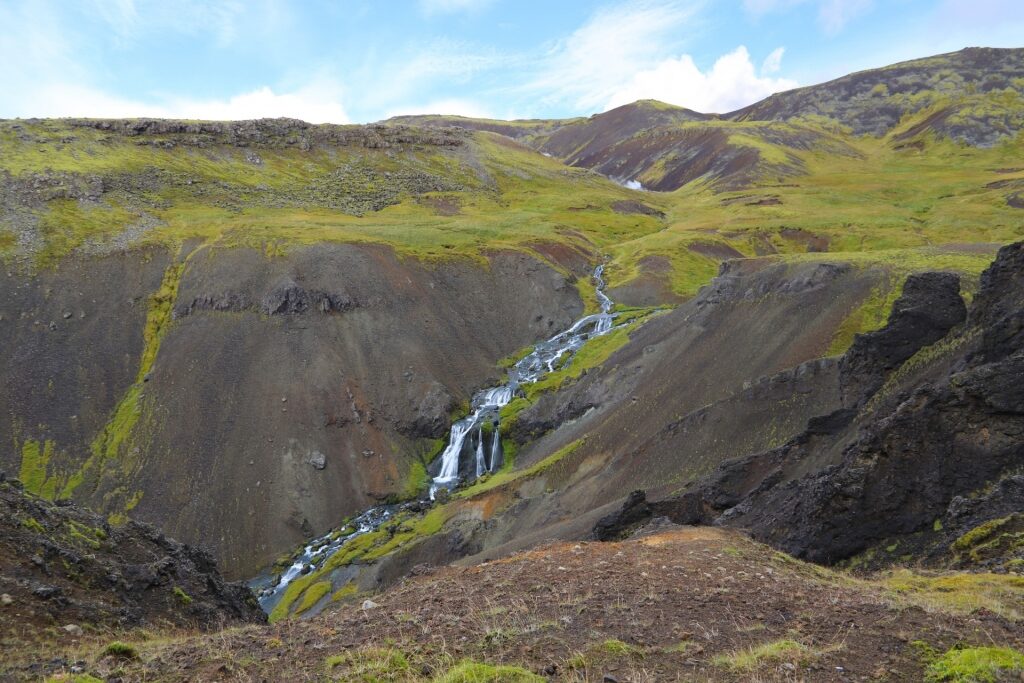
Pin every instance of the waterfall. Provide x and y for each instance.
(546, 357)
(481, 466)
(495, 449)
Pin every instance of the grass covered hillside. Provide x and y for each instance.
(103, 185)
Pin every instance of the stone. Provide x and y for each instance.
(74, 630)
(318, 460)
(6, 599)
(369, 604)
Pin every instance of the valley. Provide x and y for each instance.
(458, 394)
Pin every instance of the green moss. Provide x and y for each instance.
(995, 539)
(313, 595)
(73, 678)
(31, 524)
(183, 597)
(85, 535)
(975, 665)
(416, 480)
(507, 474)
(108, 446)
(980, 534)
(35, 458)
(349, 590)
(477, 672)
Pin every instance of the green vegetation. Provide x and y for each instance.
(507, 474)
(477, 672)
(313, 595)
(184, 598)
(768, 653)
(371, 664)
(109, 445)
(31, 524)
(617, 648)
(975, 665)
(995, 538)
(33, 473)
(402, 529)
(121, 650)
(960, 592)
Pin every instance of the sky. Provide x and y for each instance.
(357, 61)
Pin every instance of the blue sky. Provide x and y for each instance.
(359, 61)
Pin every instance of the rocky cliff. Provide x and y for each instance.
(65, 570)
(921, 459)
(245, 402)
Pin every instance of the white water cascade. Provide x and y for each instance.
(547, 356)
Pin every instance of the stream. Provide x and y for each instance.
(472, 450)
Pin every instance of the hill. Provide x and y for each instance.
(674, 604)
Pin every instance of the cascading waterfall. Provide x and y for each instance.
(546, 357)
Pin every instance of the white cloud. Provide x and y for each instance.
(449, 6)
(315, 103)
(832, 15)
(592, 63)
(730, 84)
(773, 62)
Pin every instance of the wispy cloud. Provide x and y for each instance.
(730, 84)
(594, 62)
(773, 62)
(832, 15)
(133, 20)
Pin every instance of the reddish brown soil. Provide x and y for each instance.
(677, 599)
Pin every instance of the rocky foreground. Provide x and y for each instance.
(672, 603)
(67, 576)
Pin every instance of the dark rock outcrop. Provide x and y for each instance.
(932, 455)
(62, 564)
(928, 308)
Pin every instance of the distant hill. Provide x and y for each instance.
(973, 97)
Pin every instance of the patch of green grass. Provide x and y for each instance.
(618, 648)
(478, 672)
(121, 650)
(960, 592)
(312, 595)
(975, 665)
(73, 678)
(371, 664)
(774, 652)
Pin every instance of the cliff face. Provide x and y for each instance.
(246, 402)
(924, 453)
